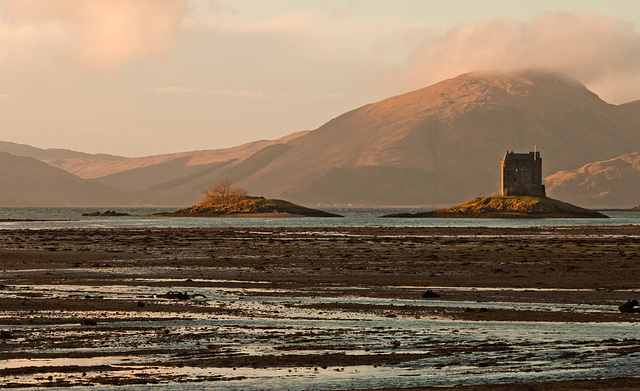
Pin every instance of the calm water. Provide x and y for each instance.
(71, 218)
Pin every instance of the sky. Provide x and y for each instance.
(146, 77)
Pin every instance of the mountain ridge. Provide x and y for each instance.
(437, 145)
(31, 182)
(611, 183)
(459, 140)
(25, 150)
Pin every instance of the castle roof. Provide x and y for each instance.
(521, 156)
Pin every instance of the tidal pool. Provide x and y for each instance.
(256, 338)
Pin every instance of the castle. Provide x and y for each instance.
(522, 174)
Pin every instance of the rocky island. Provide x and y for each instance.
(515, 207)
(249, 206)
(224, 200)
(523, 196)
(108, 213)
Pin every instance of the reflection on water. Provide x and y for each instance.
(352, 218)
(340, 349)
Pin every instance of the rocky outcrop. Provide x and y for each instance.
(509, 207)
(629, 306)
(108, 213)
(249, 206)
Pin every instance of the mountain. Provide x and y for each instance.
(632, 108)
(612, 183)
(48, 154)
(444, 143)
(97, 166)
(171, 179)
(30, 182)
(438, 145)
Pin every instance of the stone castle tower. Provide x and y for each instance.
(522, 174)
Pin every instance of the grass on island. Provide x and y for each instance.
(225, 200)
(511, 207)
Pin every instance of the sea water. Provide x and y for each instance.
(54, 218)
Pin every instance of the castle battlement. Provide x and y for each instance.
(522, 174)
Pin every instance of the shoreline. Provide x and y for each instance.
(541, 277)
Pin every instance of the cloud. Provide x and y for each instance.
(182, 90)
(239, 94)
(603, 52)
(28, 40)
(293, 22)
(175, 90)
(321, 32)
(261, 95)
(101, 34)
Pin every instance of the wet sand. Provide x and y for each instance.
(58, 281)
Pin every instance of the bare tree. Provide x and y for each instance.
(222, 192)
(236, 194)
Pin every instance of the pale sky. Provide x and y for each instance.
(143, 77)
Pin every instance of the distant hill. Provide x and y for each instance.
(438, 145)
(181, 179)
(613, 183)
(169, 180)
(95, 166)
(632, 108)
(49, 154)
(30, 182)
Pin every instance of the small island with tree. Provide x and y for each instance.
(225, 200)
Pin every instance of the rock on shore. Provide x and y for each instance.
(108, 213)
(509, 207)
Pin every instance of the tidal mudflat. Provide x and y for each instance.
(319, 309)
